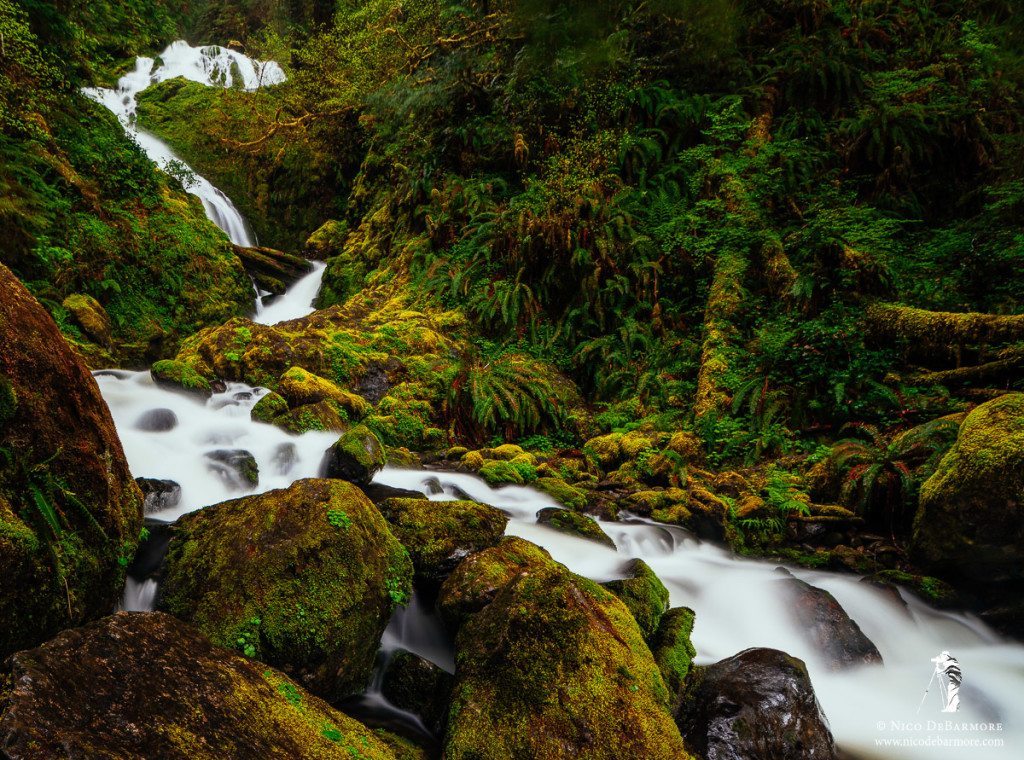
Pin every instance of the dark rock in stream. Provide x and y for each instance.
(378, 492)
(158, 495)
(357, 456)
(419, 686)
(157, 421)
(756, 705)
(237, 467)
(827, 627)
(575, 524)
(145, 685)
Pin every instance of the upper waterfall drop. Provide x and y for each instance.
(213, 66)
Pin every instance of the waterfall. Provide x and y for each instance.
(739, 602)
(296, 302)
(212, 66)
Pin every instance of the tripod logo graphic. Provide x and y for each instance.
(947, 669)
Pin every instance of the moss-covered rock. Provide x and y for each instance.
(90, 316)
(556, 667)
(70, 511)
(643, 593)
(87, 692)
(326, 240)
(566, 495)
(176, 375)
(574, 524)
(970, 523)
(479, 577)
(499, 472)
(269, 408)
(356, 456)
(672, 648)
(300, 388)
(440, 534)
(419, 686)
(303, 578)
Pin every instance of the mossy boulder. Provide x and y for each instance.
(95, 691)
(269, 408)
(176, 375)
(303, 578)
(757, 704)
(326, 240)
(70, 511)
(300, 388)
(969, 527)
(479, 577)
(440, 534)
(672, 648)
(574, 524)
(419, 686)
(500, 472)
(643, 593)
(556, 667)
(566, 495)
(356, 456)
(90, 316)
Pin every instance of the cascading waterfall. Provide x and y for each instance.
(212, 66)
(297, 302)
(739, 602)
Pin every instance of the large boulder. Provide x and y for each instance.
(969, 526)
(70, 512)
(826, 626)
(757, 704)
(556, 667)
(440, 534)
(146, 685)
(356, 456)
(303, 578)
(643, 593)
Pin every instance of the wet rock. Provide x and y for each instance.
(757, 704)
(176, 375)
(566, 495)
(378, 492)
(95, 691)
(827, 627)
(574, 524)
(419, 686)
(236, 467)
(158, 495)
(643, 593)
(356, 456)
(89, 315)
(303, 578)
(157, 421)
(285, 457)
(69, 507)
(479, 577)
(269, 408)
(440, 534)
(374, 384)
(555, 666)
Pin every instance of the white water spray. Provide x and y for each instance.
(212, 66)
(297, 301)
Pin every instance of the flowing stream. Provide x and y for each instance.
(739, 602)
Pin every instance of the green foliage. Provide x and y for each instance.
(338, 519)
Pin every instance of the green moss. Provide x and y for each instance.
(357, 455)
(480, 576)
(301, 388)
(269, 408)
(556, 667)
(574, 524)
(672, 648)
(8, 401)
(439, 534)
(566, 495)
(644, 594)
(498, 472)
(175, 374)
(302, 578)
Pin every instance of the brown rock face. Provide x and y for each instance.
(70, 512)
(139, 684)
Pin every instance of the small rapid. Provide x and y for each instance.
(212, 66)
(297, 302)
